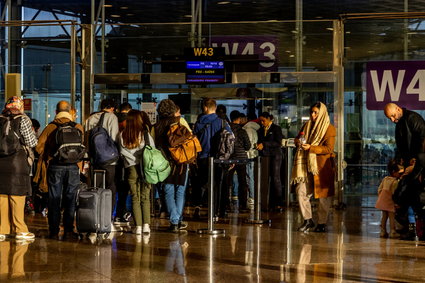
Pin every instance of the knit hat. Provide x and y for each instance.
(14, 102)
(166, 108)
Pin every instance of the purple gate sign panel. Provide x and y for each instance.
(401, 82)
(266, 47)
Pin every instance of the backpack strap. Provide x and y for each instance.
(146, 138)
(102, 117)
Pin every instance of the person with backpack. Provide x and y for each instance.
(269, 145)
(132, 142)
(61, 150)
(102, 133)
(208, 128)
(242, 144)
(174, 186)
(16, 142)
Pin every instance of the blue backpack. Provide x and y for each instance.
(102, 148)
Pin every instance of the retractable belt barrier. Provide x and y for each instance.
(257, 205)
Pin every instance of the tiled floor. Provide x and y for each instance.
(350, 252)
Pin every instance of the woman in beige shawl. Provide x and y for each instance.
(314, 167)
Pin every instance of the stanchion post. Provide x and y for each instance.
(210, 230)
(257, 194)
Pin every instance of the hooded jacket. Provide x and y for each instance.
(207, 127)
(251, 129)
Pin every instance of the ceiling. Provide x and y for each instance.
(138, 11)
(376, 38)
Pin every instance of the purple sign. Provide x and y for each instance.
(266, 47)
(401, 82)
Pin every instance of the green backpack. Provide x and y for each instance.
(155, 166)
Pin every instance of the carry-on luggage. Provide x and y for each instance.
(94, 207)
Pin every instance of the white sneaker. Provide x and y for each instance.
(146, 228)
(25, 235)
(137, 230)
(115, 228)
(2, 237)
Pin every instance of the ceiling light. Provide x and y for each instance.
(292, 55)
(348, 32)
(187, 16)
(329, 28)
(319, 17)
(223, 3)
(123, 8)
(130, 15)
(115, 16)
(107, 5)
(288, 51)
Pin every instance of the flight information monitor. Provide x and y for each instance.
(205, 72)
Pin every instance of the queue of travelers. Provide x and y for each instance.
(171, 157)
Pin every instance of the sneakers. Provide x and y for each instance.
(24, 242)
(121, 221)
(2, 237)
(137, 230)
(383, 233)
(24, 235)
(70, 236)
(146, 228)
(250, 203)
(307, 225)
(183, 225)
(115, 228)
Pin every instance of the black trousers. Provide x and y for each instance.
(271, 185)
(122, 189)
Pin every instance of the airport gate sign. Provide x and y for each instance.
(401, 82)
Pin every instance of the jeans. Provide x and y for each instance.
(250, 178)
(140, 195)
(175, 198)
(63, 181)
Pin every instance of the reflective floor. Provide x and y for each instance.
(350, 252)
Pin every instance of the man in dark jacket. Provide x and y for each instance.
(410, 137)
(206, 129)
(241, 146)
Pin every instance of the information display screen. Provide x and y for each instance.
(205, 72)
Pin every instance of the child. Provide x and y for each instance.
(385, 201)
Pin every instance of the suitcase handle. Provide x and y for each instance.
(97, 172)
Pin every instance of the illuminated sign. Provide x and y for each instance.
(205, 72)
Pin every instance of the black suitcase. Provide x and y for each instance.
(94, 206)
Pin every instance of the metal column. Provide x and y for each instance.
(338, 54)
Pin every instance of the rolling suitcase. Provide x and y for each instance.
(94, 207)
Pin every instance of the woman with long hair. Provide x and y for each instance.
(132, 141)
(269, 145)
(174, 186)
(314, 166)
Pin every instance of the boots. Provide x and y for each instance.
(307, 225)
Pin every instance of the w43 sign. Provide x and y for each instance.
(401, 82)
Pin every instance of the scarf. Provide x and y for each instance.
(305, 161)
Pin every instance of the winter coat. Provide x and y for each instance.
(251, 129)
(409, 135)
(206, 128)
(272, 142)
(15, 170)
(241, 144)
(324, 182)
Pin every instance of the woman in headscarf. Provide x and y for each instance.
(16, 159)
(314, 167)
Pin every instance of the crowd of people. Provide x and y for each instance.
(61, 168)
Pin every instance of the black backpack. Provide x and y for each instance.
(223, 143)
(10, 137)
(69, 142)
(102, 147)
